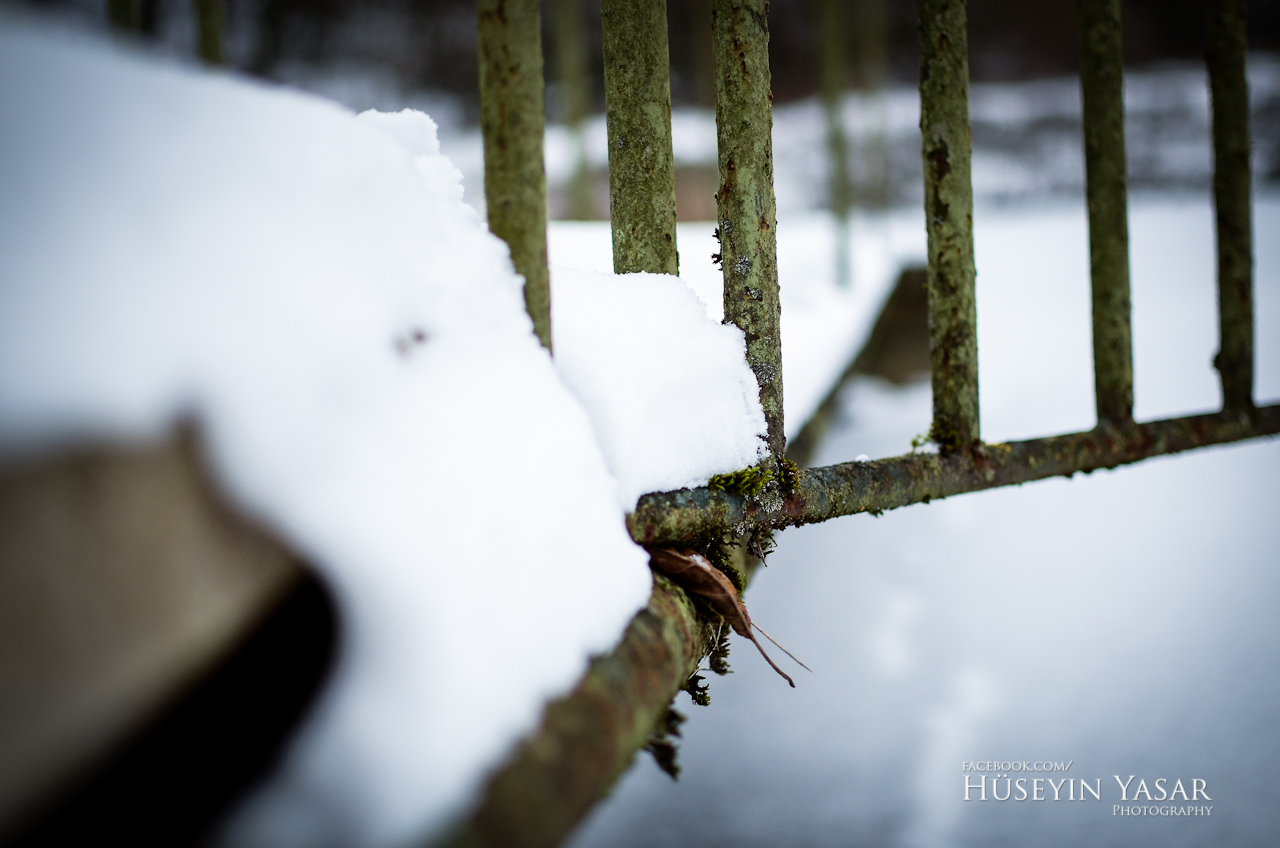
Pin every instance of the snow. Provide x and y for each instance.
(823, 325)
(311, 288)
(651, 330)
(1124, 619)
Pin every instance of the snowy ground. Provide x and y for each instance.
(1123, 621)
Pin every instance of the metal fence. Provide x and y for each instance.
(588, 737)
(642, 189)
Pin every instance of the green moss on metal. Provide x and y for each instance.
(673, 518)
(748, 482)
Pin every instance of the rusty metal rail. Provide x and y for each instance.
(849, 488)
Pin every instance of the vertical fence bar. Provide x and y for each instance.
(513, 121)
(1230, 92)
(637, 97)
(745, 201)
(1102, 87)
(948, 206)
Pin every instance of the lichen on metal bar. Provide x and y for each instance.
(745, 200)
(1102, 83)
(642, 182)
(512, 122)
(948, 205)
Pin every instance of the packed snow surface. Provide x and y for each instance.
(654, 330)
(311, 289)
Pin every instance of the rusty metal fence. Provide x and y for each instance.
(642, 185)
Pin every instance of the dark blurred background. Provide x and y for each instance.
(429, 45)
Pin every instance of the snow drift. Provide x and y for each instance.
(310, 287)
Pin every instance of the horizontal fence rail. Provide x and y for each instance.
(671, 518)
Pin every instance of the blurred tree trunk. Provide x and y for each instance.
(575, 94)
(210, 21)
(833, 73)
(704, 73)
(270, 27)
(872, 190)
(140, 17)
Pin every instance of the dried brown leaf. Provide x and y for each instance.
(696, 575)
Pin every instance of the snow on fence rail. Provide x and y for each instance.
(592, 733)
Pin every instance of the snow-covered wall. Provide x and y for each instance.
(310, 287)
